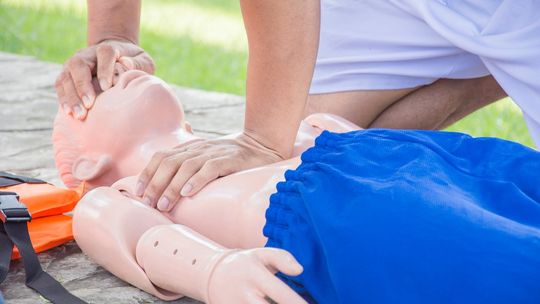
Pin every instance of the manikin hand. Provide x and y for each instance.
(180, 260)
(187, 169)
(247, 276)
(104, 60)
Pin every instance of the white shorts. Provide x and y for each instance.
(395, 44)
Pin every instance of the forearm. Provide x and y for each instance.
(283, 40)
(115, 19)
(179, 260)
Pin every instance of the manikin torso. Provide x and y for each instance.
(128, 124)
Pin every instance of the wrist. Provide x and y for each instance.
(211, 270)
(282, 148)
(112, 38)
(114, 19)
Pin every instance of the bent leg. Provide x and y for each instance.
(359, 107)
(440, 104)
(430, 107)
(509, 50)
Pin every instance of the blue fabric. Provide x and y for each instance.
(383, 216)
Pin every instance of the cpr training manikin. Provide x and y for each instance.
(375, 216)
(209, 246)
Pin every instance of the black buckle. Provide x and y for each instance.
(11, 209)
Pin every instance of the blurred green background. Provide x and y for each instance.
(195, 43)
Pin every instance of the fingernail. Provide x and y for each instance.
(87, 101)
(79, 111)
(139, 189)
(67, 109)
(163, 203)
(104, 84)
(146, 201)
(186, 190)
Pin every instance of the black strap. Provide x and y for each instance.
(15, 232)
(8, 179)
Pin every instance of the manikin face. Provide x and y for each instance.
(125, 120)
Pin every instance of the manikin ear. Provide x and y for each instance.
(86, 168)
(188, 127)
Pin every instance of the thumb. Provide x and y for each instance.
(141, 62)
(280, 260)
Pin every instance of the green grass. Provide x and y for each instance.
(199, 44)
(502, 119)
(195, 43)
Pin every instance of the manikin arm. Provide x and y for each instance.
(179, 259)
(130, 240)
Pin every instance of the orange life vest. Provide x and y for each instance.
(47, 204)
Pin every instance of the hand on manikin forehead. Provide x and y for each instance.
(137, 114)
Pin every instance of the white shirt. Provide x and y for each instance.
(394, 44)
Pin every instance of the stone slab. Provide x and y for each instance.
(27, 108)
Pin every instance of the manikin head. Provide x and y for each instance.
(126, 126)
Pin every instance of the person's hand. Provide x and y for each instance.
(247, 276)
(74, 87)
(186, 170)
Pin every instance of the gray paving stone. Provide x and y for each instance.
(27, 108)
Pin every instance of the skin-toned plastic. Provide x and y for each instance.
(131, 121)
(148, 118)
(212, 273)
(214, 231)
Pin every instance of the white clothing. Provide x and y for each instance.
(394, 44)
